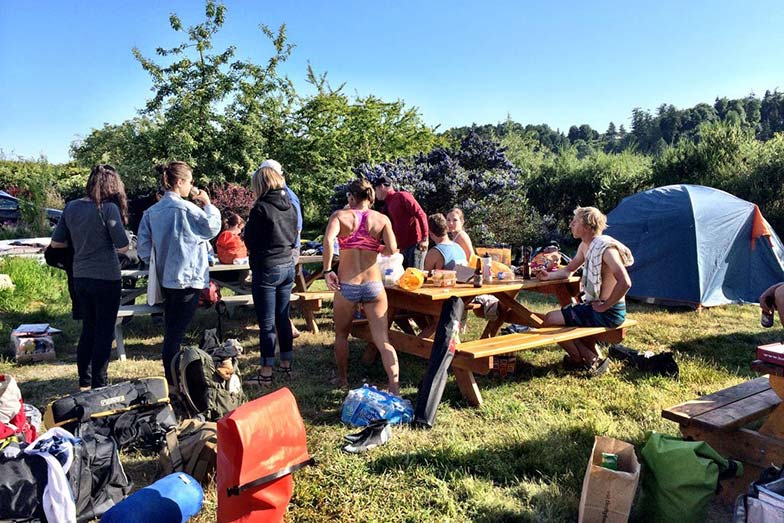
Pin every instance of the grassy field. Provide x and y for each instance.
(520, 457)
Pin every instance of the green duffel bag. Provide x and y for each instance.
(680, 478)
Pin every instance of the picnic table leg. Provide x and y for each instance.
(774, 424)
(468, 387)
(118, 339)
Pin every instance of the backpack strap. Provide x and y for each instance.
(236, 491)
(173, 446)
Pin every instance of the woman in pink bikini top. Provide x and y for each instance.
(359, 231)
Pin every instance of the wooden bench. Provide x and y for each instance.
(310, 302)
(721, 419)
(128, 312)
(540, 337)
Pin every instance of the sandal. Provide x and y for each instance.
(286, 371)
(259, 380)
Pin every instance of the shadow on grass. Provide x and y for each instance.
(732, 352)
(540, 461)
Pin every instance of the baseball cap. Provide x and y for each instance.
(382, 180)
(272, 164)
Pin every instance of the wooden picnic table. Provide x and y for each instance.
(477, 356)
(726, 419)
(309, 300)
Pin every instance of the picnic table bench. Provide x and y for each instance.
(125, 313)
(722, 420)
(476, 356)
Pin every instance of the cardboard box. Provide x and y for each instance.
(33, 342)
(771, 353)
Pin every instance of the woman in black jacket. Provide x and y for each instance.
(270, 235)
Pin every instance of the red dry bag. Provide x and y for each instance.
(259, 445)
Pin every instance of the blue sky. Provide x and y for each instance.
(66, 66)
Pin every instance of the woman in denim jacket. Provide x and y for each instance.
(270, 235)
(178, 230)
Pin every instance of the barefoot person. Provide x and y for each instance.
(604, 281)
(359, 230)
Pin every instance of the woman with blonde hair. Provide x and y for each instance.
(270, 235)
(455, 222)
(359, 231)
(95, 225)
(178, 231)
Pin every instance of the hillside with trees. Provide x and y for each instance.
(517, 183)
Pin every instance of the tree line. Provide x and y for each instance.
(517, 183)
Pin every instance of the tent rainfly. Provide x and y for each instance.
(696, 246)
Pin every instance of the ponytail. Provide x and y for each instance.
(172, 172)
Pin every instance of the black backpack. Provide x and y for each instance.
(136, 413)
(96, 478)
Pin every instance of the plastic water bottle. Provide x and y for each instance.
(487, 268)
(350, 405)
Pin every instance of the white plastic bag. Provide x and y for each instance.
(391, 268)
(154, 293)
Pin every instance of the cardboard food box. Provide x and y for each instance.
(771, 353)
(33, 342)
(442, 278)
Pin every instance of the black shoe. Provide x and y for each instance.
(352, 438)
(599, 368)
(570, 365)
(373, 436)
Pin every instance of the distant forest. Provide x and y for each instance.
(650, 133)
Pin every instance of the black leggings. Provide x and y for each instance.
(98, 302)
(179, 307)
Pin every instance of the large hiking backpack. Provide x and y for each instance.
(191, 448)
(208, 381)
(136, 413)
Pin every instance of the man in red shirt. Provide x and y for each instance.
(409, 221)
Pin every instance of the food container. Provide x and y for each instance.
(443, 278)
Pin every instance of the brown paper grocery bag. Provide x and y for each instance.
(608, 494)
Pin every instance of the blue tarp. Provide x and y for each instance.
(694, 245)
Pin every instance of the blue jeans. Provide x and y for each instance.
(179, 307)
(271, 289)
(99, 301)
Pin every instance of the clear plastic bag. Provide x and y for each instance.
(391, 267)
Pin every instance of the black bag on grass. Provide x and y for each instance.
(97, 478)
(432, 387)
(22, 483)
(136, 413)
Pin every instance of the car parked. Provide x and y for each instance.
(10, 214)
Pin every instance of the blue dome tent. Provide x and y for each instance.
(696, 246)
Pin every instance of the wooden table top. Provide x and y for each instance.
(464, 290)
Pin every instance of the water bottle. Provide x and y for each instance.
(350, 405)
(487, 267)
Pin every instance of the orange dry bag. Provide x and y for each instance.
(259, 445)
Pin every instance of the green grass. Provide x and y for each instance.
(521, 456)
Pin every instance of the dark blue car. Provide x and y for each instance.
(9, 210)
